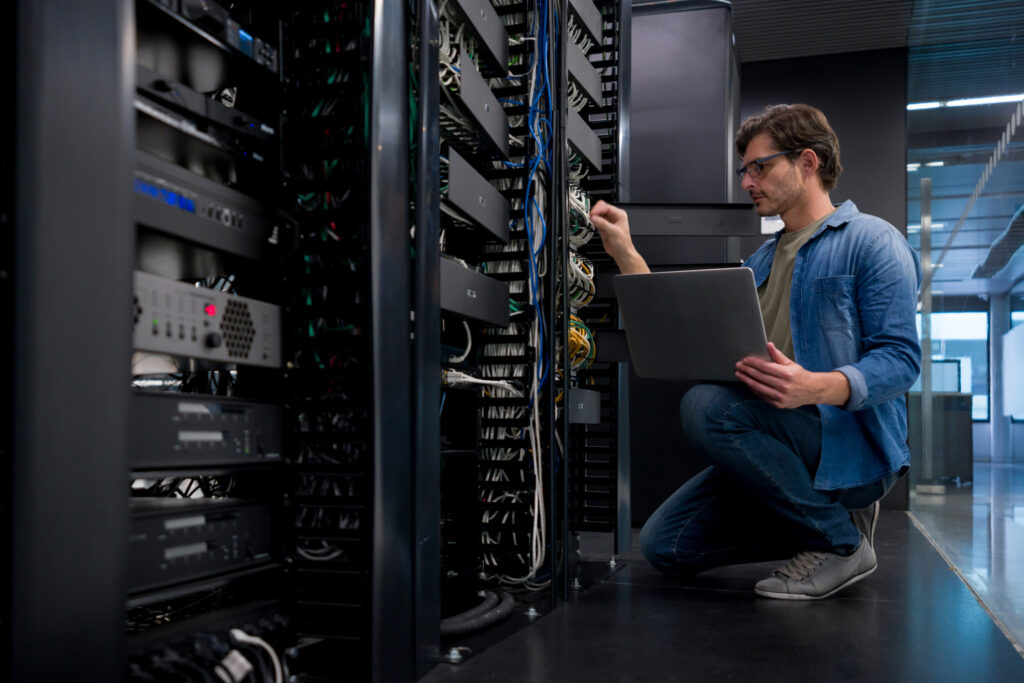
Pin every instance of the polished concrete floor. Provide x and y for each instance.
(980, 529)
(913, 620)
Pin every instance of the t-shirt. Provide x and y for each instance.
(773, 294)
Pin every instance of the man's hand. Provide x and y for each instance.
(613, 226)
(786, 384)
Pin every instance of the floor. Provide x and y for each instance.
(980, 529)
(913, 620)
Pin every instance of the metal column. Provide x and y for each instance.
(392, 629)
(73, 268)
(427, 350)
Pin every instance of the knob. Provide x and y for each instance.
(213, 340)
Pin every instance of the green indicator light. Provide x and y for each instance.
(246, 451)
(155, 321)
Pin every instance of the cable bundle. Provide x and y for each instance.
(581, 344)
(581, 280)
(580, 227)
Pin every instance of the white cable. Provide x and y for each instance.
(469, 345)
(243, 637)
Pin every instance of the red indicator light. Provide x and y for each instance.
(210, 309)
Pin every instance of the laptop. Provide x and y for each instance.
(692, 324)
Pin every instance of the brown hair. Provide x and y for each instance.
(796, 126)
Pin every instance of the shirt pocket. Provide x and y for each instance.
(836, 307)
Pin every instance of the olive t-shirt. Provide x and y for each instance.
(773, 294)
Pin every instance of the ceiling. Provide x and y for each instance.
(957, 49)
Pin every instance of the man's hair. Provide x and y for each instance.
(796, 126)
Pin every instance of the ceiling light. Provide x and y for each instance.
(936, 163)
(966, 102)
(913, 167)
(998, 99)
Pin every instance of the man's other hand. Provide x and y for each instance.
(786, 384)
(612, 224)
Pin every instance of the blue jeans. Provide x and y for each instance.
(757, 500)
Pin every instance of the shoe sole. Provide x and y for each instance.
(802, 596)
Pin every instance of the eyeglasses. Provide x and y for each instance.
(756, 167)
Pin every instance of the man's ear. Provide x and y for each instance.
(809, 162)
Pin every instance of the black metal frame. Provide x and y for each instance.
(392, 599)
(560, 255)
(623, 526)
(427, 352)
(75, 248)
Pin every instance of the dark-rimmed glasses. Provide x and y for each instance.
(756, 167)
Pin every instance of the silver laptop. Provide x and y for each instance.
(693, 324)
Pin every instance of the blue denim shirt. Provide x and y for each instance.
(852, 308)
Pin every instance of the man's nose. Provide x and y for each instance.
(748, 182)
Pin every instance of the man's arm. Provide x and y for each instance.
(613, 226)
(886, 295)
(890, 359)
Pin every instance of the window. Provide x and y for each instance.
(962, 337)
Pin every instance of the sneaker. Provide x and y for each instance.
(866, 519)
(817, 575)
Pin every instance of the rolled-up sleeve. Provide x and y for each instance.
(887, 281)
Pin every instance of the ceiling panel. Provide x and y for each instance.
(780, 29)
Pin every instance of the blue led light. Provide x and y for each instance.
(161, 194)
(245, 42)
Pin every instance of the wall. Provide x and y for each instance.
(863, 94)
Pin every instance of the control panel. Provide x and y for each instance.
(175, 540)
(174, 430)
(180, 319)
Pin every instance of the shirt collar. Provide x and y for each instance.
(838, 219)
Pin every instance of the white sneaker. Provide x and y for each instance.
(817, 575)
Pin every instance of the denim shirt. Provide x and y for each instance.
(853, 302)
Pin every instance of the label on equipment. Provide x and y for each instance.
(184, 522)
(180, 551)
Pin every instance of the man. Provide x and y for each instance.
(806, 443)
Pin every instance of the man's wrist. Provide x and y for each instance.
(631, 262)
(833, 388)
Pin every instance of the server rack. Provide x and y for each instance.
(597, 429)
(292, 185)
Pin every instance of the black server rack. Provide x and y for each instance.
(340, 408)
(496, 353)
(597, 426)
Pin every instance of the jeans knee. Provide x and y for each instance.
(702, 409)
(646, 540)
(660, 554)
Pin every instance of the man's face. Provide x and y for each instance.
(779, 187)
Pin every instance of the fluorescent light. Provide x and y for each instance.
(936, 163)
(998, 99)
(968, 102)
(913, 228)
(917, 226)
(913, 167)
